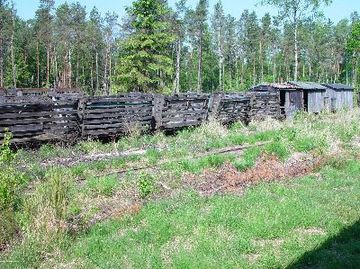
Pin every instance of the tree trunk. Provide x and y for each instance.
(242, 74)
(13, 64)
(110, 74)
(261, 60)
(105, 80)
(236, 73)
(70, 70)
(77, 71)
(221, 74)
(295, 45)
(178, 67)
(37, 64)
(1, 63)
(355, 70)
(48, 66)
(254, 71)
(274, 72)
(199, 75)
(56, 75)
(97, 72)
(303, 71)
(92, 80)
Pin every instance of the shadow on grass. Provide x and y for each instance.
(341, 251)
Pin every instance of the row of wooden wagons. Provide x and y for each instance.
(310, 97)
(37, 115)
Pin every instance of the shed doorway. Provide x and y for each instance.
(282, 101)
(306, 101)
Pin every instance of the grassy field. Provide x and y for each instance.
(146, 209)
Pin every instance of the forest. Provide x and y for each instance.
(156, 47)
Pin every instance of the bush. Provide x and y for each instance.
(8, 176)
(278, 148)
(249, 159)
(8, 226)
(146, 185)
(103, 186)
(10, 182)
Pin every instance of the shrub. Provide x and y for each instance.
(8, 226)
(277, 148)
(146, 185)
(249, 159)
(103, 186)
(6, 154)
(10, 182)
(304, 144)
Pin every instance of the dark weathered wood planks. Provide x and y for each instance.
(60, 116)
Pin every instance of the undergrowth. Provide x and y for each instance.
(42, 204)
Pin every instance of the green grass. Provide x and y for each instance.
(271, 226)
(103, 186)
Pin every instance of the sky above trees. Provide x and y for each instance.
(336, 11)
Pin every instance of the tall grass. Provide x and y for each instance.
(42, 213)
(10, 181)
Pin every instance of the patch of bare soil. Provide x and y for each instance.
(228, 179)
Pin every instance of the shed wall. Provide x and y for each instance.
(316, 101)
(343, 99)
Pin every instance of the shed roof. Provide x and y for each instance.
(339, 87)
(276, 86)
(308, 85)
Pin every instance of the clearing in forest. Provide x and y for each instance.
(268, 195)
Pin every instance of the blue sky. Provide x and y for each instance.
(339, 8)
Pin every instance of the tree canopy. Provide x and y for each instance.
(158, 48)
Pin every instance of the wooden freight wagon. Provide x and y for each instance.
(290, 96)
(314, 96)
(341, 96)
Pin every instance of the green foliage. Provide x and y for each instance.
(153, 156)
(267, 222)
(233, 55)
(55, 193)
(145, 63)
(248, 159)
(146, 185)
(10, 182)
(6, 154)
(278, 148)
(353, 43)
(8, 226)
(103, 186)
(10, 178)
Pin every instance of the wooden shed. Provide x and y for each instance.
(315, 99)
(290, 96)
(341, 96)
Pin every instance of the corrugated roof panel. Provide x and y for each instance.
(339, 86)
(277, 86)
(308, 85)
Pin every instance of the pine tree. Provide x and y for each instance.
(353, 48)
(5, 33)
(218, 25)
(197, 27)
(44, 30)
(146, 64)
(294, 12)
(178, 23)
